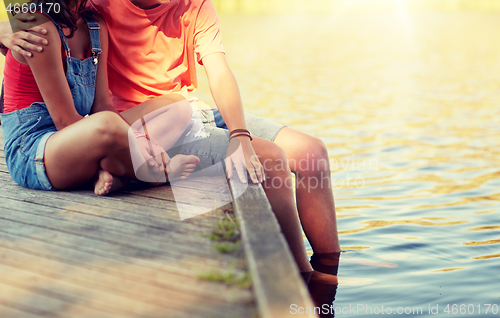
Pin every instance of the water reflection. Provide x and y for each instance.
(484, 242)
(483, 228)
(449, 269)
(370, 225)
(487, 256)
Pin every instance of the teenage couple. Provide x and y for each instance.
(62, 129)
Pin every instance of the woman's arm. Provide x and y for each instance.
(102, 101)
(48, 70)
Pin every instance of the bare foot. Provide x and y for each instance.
(107, 183)
(181, 166)
(103, 183)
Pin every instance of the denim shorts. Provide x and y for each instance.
(208, 137)
(26, 132)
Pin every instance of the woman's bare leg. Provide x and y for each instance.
(75, 154)
(308, 159)
(105, 182)
(278, 188)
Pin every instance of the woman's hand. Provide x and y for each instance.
(21, 34)
(241, 154)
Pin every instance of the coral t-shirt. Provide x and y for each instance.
(152, 52)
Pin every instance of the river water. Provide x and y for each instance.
(408, 105)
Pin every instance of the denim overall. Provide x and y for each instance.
(27, 130)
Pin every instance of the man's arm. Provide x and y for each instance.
(225, 90)
(27, 36)
(227, 97)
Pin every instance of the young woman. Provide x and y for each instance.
(60, 130)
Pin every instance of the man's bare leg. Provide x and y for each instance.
(308, 159)
(280, 195)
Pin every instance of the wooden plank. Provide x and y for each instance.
(160, 197)
(128, 202)
(276, 280)
(151, 221)
(180, 254)
(128, 270)
(199, 192)
(136, 209)
(7, 311)
(106, 220)
(4, 225)
(76, 284)
(30, 292)
(184, 265)
(42, 302)
(171, 248)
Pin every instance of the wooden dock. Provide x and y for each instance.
(74, 254)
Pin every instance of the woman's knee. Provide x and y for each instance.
(109, 130)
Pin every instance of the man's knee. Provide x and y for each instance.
(313, 158)
(274, 158)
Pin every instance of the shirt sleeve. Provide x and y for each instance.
(207, 37)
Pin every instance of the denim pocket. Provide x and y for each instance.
(31, 126)
(31, 113)
(14, 162)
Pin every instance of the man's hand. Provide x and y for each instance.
(22, 33)
(240, 153)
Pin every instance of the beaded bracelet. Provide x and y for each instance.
(238, 135)
(240, 132)
(234, 131)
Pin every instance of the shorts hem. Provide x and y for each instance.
(277, 132)
(41, 173)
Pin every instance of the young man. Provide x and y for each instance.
(154, 47)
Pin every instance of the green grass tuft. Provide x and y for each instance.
(242, 279)
(226, 229)
(226, 247)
